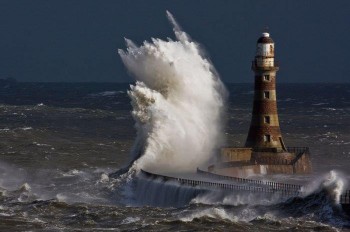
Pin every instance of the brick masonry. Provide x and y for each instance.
(264, 151)
(264, 134)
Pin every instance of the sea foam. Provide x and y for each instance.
(177, 101)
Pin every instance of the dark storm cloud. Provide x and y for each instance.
(46, 40)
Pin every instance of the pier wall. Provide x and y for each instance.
(229, 154)
(242, 162)
(302, 164)
(239, 184)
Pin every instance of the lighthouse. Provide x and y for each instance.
(264, 132)
(264, 151)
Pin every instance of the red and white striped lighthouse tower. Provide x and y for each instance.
(264, 133)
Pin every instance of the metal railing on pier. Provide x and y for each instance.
(271, 184)
(216, 185)
(298, 150)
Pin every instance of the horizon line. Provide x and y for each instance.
(131, 82)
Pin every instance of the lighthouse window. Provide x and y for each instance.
(267, 77)
(267, 119)
(267, 138)
(266, 94)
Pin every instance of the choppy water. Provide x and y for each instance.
(59, 142)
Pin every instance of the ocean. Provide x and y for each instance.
(60, 141)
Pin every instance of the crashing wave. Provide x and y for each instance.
(177, 101)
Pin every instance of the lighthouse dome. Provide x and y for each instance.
(265, 38)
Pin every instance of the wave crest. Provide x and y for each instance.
(178, 101)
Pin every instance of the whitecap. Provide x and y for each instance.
(330, 109)
(61, 197)
(6, 214)
(320, 104)
(217, 213)
(25, 187)
(104, 178)
(105, 94)
(129, 220)
(41, 144)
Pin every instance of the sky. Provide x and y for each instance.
(77, 40)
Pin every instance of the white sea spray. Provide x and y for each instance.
(177, 101)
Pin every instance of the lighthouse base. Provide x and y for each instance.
(243, 162)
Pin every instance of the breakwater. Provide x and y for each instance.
(240, 184)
